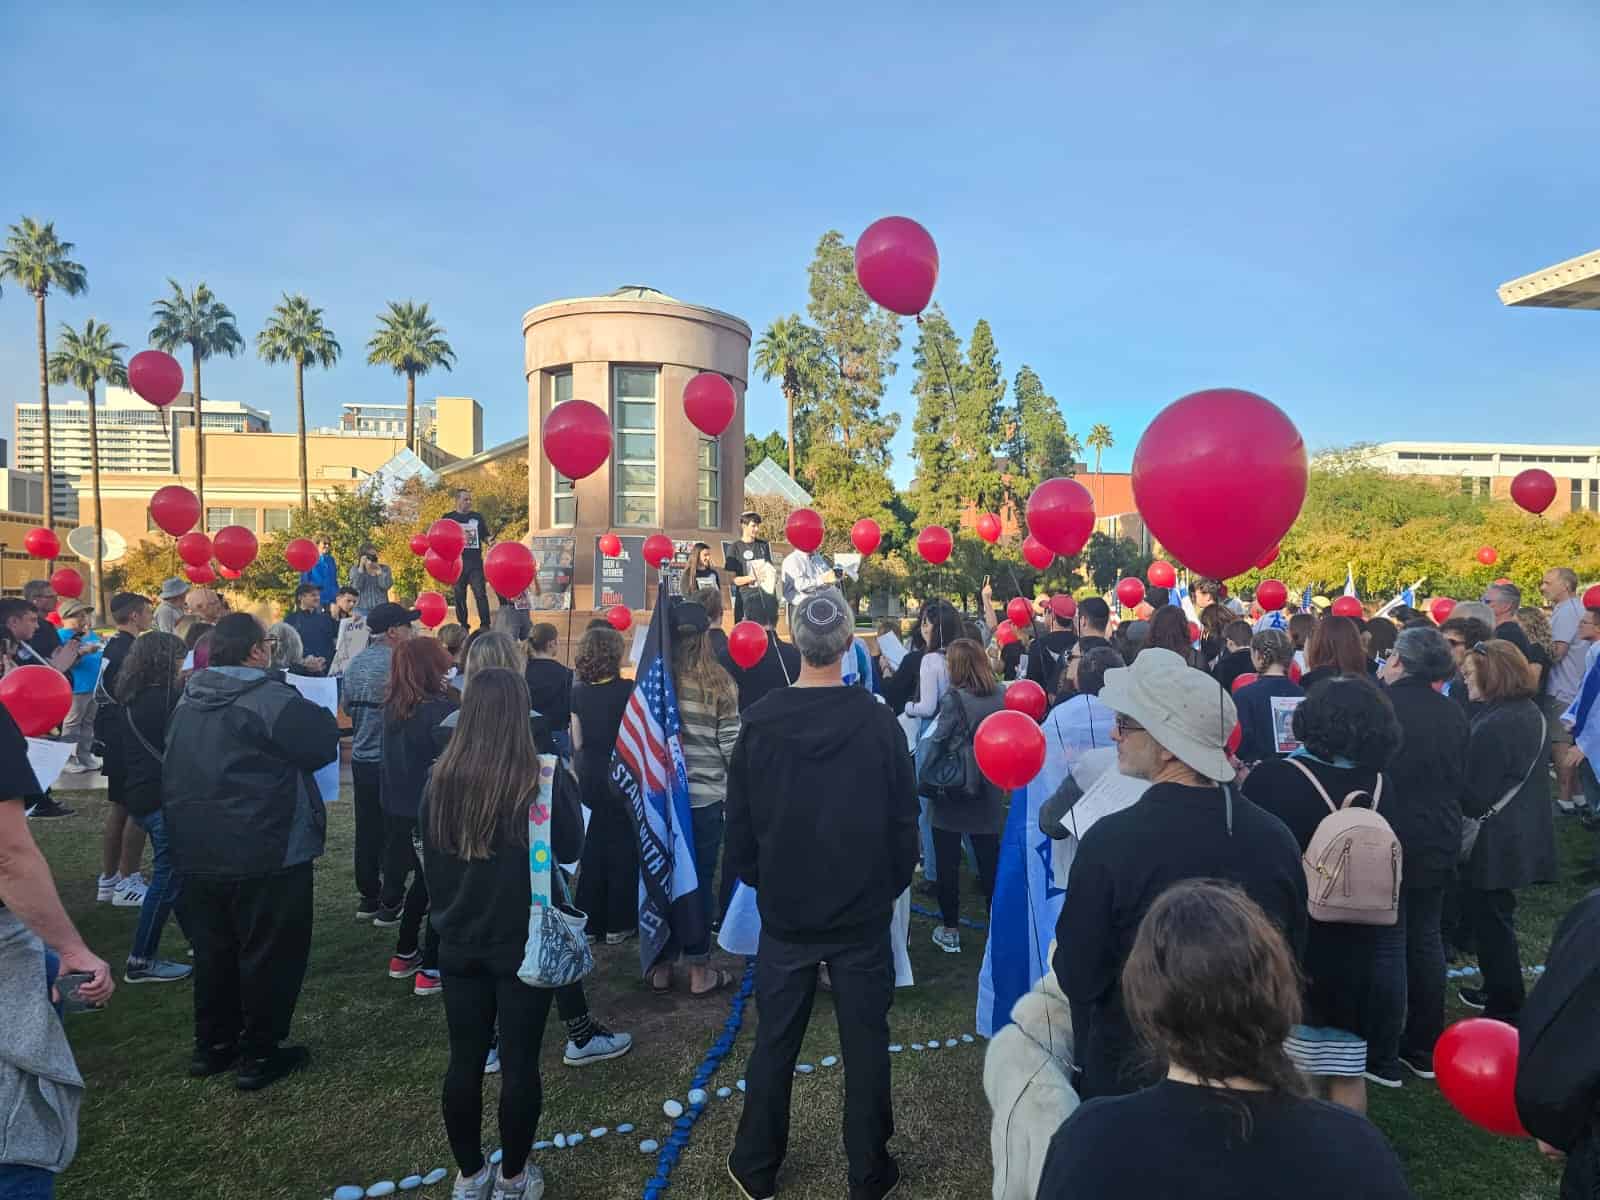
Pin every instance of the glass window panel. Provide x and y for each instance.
(708, 514)
(561, 387)
(636, 447)
(708, 453)
(274, 520)
(636, 510)
(636, 416)
(631, 478)
(245, 517)
(566, 510)
(218, 518)
(636, 383)
(708, 485)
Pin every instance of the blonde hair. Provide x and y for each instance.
(491, 649)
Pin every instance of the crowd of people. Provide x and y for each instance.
(1217, 980)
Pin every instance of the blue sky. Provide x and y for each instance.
(1143, 199)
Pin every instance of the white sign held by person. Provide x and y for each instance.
(323, 690)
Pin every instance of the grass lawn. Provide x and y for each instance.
(368, 1109)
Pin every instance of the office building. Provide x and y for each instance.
(1485, 469)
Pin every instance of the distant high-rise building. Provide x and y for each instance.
(385, 420)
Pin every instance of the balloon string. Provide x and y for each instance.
(572, 588)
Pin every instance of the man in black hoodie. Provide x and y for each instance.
(1048, 654)
(822, 822)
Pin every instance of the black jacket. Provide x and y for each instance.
(1425, 812)
(150, 711)
(237, 786)
(901, 687)
(409, 748)
(1047, 655)
(778, 668)
(1518, 844)
(550, 691)
(318, 634)
(822, 813)
(1232, 665)
(108, 713)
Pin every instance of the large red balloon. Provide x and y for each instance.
(1130, 592)
(577, 438)
(988, 527)
(934, 544)
(175, 509)
(195, 549)
(1019, 612)
(1591, 597)
(658, 550)
(1219, 476)
(1063, 606)
(235, 546)
(1348, 606)
(1267, 559)
(804, 529)
(619, 617)
(709, 403)
(1061, 515)
(67, 583)
(1476, 1062)
(1244, 679)
(1440, 608)
(1006, 633)
(1038, 555)
(155, 377)
(865, 535)
(747, 644)
(610, 545)
(446, 538)
(301, 554)
(432, 607)
(1488, 555)
(1272, 595)
(42, 543)
(201, 574)
(445, 570)
(897, 264)
(1009, 747)
(1534, 489)
(37, 697)
(1161, 574)
(509, 567)
(1026, 696)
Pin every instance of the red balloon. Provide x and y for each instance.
(432, 607)
(1219, 476)
(1063, 606)
(865, 535)
(446, 538)
(1061, 515)
(230, 573)
(610, 545)
(445, 570)
(619, 617)
(1294, 672)
(1235, 738)
(42, 543)
(1006, 633)
(54, 618)
(1502, 579)
(37, 697)
(1038, 555)
(897, 264)
(1019, 612)
(804, 529)
(1348, 606)
(1591, 597)
(1267, 559)
(577, 438)
(1440, 608)
(1243, 680)
(155, 377)
(1476, 1062)
(1130, 592)
(988, 528)
(709, 403)
(195, 549)
(235, 546)
(201, 574)
(419, 544)
(509, 567)
(175, 509)
(1026, 696)
(658, 549)
(1272, 595)
(1161, 574)
(1488, 555)
(747, 644)
(1534, 489)
(1195, 631)
(301, 554)
(934, 544)
(67, 583)
(1009, 747)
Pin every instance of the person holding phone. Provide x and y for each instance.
(371, 580)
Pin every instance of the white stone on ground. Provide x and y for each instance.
(434, 1176)
(740, 1085)
(950, 1044)
(914, 1046)
(494, 1159)
(697, 1095)
(349, 1191)
(968, 1038)
(598, 1131)
(574, 1138)
(384, 1187)
(561, 1141)
(804, 1069)
(895, 1047)
(625, 1128)
(723, 1093)
(673, 1109)
(543, 1145)
(411, 1183)
(830, 1061)
(649, 1146)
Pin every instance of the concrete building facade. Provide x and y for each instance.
(1485, 469)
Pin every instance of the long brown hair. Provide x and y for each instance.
(1169, 630)
(154, 660)
(689, 586)
(969, 668)
(491, 649)
(696, 669)
(480, 786)
(1337, 644)
(415, 675)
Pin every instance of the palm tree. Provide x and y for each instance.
(294, 333)
(37, 260)
(1100, 440)
(412, 343)
(791, 351)
(206, 325)
(84, 359)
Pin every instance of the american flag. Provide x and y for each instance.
(647, 770)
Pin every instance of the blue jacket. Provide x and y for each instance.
(325, 574)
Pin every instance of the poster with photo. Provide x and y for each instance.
(1283, 737)
(555, 557)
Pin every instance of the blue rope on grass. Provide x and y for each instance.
(678, 1140)
(928, 912)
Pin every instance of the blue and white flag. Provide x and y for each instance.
(1350, 580)
(1305, 599)
(1180, 597)
(1406, 598)
(647, 769)
(1022, 918)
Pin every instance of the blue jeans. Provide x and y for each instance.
(707, 823)
(930, 872)
(161, 894)
(26, 1183)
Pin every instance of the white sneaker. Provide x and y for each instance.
(131, 893)
(530, 1186)
(602, 1045)
(105, 887)
(947, 940)
(474, 1187)
(1567, 806)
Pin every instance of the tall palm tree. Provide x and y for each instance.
(791, 351)
(206, 325)
(1100, 440)
(38, 261)
(83, 359)
(294, 333)
(412, 343)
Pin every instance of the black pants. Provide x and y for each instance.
(947, 861)
(1492, 917)
(472, 574)
(251, 941)
(608, 884)
(370, 829)
(786, 986)
(1424, 969)
(399, 859)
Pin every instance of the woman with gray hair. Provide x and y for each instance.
(289, 652)
(1425, 815)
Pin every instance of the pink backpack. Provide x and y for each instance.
(1352, 862)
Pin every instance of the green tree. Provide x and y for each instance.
(295, 333)
(84, 359)
(207, 327)
(1038, 446)
(38, 261)
(1100, 440)
(936, 493)
(411, 343)
(347, 517)
(791, 352)
(1108, 559)
(755, 449)
(978, 420)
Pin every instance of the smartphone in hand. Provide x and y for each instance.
(68, 985)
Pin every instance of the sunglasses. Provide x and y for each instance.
(1126, 724)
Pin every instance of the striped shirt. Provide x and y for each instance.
(710, 730)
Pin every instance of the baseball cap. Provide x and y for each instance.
(1063, 606)
(688, 614)
(388, 615)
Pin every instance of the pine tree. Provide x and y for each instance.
(936, 493)
(978, 421)
(1037, 442)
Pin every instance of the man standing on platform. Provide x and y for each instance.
(477, 534)
(750, 549)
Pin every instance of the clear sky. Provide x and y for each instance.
(1142, 198)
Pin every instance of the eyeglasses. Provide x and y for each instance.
(1126, 724)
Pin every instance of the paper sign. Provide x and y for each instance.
(636, 651)
(322, 690)
(1283, 723)
(892, 649)
(47, 759)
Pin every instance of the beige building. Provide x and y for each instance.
(1485, 469)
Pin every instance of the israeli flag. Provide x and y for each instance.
(1022, 919)
(1350, 581)
(1407, 598)
(1180, 597)
(1305, 599)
